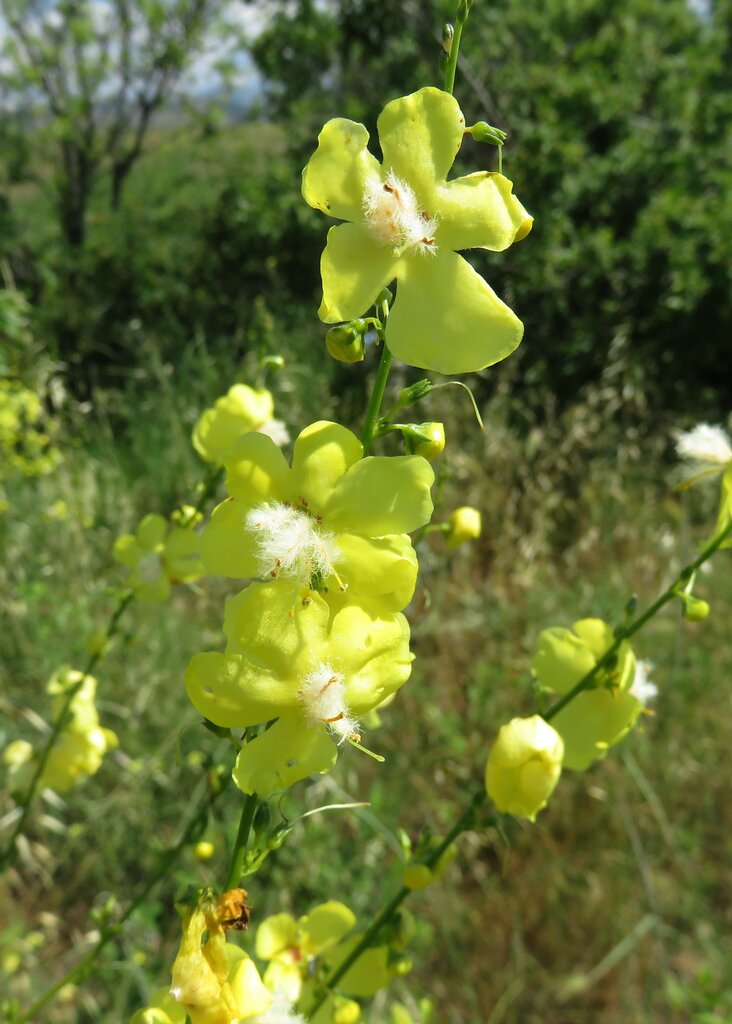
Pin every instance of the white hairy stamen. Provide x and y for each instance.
(705, 447)
(643, 689)
(393, 216)
(323, 694)
(291, 543)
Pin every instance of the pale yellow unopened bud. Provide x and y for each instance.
(524, 766)
(204, 850)
(465, 525)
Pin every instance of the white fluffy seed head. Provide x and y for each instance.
(291, 543)
(642, 688)
(323, 695)
(706, 447)
(393, 216)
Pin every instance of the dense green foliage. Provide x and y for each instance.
(618, 142)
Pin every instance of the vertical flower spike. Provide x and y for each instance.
(524, 766)
(406, 221)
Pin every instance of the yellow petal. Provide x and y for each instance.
(333, 180)
(479, 210)
(446, 318)
(420, 136)
(322, 454)
(354, 269)
(382, 495)
(286, 753)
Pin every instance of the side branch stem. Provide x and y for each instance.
(61, 719)
(464, 822)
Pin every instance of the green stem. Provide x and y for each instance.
(377, 396)
(242, 838)
(61, 719)
(451, 66)
(84, 966)
(625, 632)
(465, 821)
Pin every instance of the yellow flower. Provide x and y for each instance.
(524, 766)
(333, 521)
(407, 221)
(601, 715)
(241, 410)
(465, 524)
(159, 555)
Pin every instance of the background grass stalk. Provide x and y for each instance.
(62, 718)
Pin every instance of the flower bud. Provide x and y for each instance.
(465, 524)
(204, 850)
(694, 609)
(524, 766)
(425, 439)
(345, 342)
(484, 132)
(262, 818)
(448, 34)
(415, 393)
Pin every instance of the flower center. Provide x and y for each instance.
(393, 216)
(291, 543)
(323, 693)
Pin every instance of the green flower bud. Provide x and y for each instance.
(448, 34)
(694, 609)
(524, 766)
(484, 132)
(415, 393)
(345, 342)
(425, 439)
(278, 836)
(262, 818)
(465, 524)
